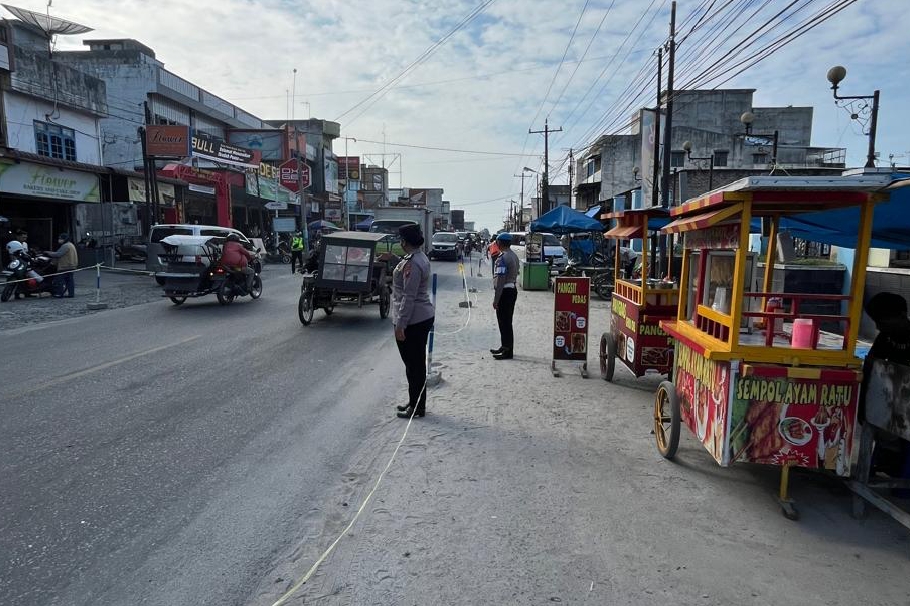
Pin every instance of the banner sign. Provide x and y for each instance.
(570, 322)
(49, 182)
(640, 341)
(167, 195)
(287, 175)
(224, 153)
(167, 140)
(766, 414)
(269, 190)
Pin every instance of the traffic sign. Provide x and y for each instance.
(276, 205)
(287, 175)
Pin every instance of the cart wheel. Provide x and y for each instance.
(305, 307)
(385, 302)
(178, 300)
(607, 356)
(225, 294)
(256, 291)
(8, 292)
(666, 419)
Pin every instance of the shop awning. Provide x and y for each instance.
(592, 212)
(624, 232)
(702, 221)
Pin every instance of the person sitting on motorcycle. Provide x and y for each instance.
(18, 251)
(236, 259)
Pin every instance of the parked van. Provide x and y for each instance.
(155, 261)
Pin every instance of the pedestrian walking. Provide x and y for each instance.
(505, 293)
(412, 317)
(296, 251)
(67, 262)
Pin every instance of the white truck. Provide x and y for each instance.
(388, 219)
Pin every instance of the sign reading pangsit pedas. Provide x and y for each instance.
(167, 141)
(570, 323)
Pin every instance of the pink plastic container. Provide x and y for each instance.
(805, 334)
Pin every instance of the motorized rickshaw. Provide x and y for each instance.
(639, 304)
(759, 376)
(350, 270)
(194, 270)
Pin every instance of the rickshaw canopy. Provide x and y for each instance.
(564, 220)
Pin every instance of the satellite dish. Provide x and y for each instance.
(49, 25)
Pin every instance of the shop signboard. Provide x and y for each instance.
(30, 179)
(269, 143)
(349, 168)
(330, 165)
(167, 140)
(703, 387)
(224, 153)
(640, 341)
(269, 190)
(570, 322)
(648, 128)
(287, 175)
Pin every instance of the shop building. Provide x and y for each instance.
(51, 136)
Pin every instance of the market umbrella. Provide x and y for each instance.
(564, 220)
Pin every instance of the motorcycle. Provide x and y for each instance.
(229, 284)
(277, 253)
(18, 281)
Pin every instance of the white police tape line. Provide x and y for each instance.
(309, 573)
(59, 273)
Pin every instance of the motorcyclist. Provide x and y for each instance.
(16, 250)
(236, 259)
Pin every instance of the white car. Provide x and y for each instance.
(554, 253)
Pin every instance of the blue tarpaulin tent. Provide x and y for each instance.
(564, 220)
(364, 225)
(890, 222)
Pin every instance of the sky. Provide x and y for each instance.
(487, 71)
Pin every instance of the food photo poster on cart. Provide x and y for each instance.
(775, 418)
(570, 322)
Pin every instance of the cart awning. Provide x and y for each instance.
(624, 232)
(702, 221)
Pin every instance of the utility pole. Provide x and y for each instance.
(545, 193)
(571, 174)
(521, 199)
(655, 190)
(665, 194)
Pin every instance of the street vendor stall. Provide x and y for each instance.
(639, 304)
(771, 390)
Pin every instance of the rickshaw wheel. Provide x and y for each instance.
(178, 300)
(256, 291)
(385, 302)
(666, 419)
(305, 307)
(607, 356)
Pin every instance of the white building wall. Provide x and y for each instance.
(22, 111)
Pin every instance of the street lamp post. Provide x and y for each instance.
(747, 118)
(522, 198)
(835, 76)
(687, 147)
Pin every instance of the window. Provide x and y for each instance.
(720, 158)
(759, 158)
(55, 141)
(677, 159)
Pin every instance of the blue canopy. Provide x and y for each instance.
(364, 225)
(564, 220)
(890, 223)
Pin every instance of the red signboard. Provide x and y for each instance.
(349, 168)
(570, 322)
(287, 175)
(167, 140)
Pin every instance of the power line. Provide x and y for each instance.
(462, 151)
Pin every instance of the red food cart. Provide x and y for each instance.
(639, 304)
(758, 383)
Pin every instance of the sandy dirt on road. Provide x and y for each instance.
(522, 488)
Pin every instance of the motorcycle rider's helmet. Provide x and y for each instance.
(233, 238)
(64, 236)
(14, 246)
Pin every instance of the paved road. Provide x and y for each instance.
(163, 455)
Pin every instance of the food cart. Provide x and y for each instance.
(639, 304)
(351, 270)
(755, 382)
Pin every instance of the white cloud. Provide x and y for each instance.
(244, 50)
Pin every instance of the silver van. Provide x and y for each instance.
(155, 261)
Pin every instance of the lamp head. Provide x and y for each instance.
(687, 147)
(530, 170)
(747, 118)
(836, 75)
(636, 170)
